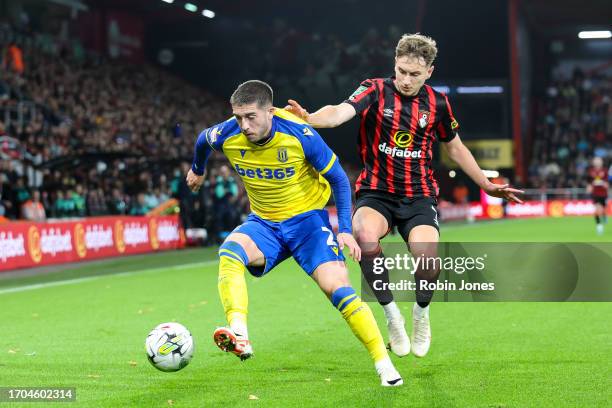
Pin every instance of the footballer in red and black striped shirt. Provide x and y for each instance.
(598, 188)
(401, 117)
(396, 136)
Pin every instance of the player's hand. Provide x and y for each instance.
(347, 240)
(589, 188)
(297, 110)
(194, 182)
(503, 191)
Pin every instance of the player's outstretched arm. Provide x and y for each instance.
(195, 176)
(329, 116)
(461, 155)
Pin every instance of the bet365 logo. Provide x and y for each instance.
(266, 173)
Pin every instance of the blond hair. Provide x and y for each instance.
(417, 45)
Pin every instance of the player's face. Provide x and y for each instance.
(410, 74)
(597, 163)
(255, 121)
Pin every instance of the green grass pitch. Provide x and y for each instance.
(88, 333)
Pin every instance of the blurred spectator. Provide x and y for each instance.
(226, 200)
(139, 207)
(13, 59)
(96, 205)
(182, 192)
(79, 201)
(460, 193)
(33, 209)
(20, 192)
(117, 204)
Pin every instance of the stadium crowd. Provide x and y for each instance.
(104, 138)
(302, 58)
(573, 125)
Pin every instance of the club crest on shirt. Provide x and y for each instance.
(281, 154)
(423, 118)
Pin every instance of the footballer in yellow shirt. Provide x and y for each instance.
(289, 174)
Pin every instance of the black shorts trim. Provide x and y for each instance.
(600, 200)
(402, 212)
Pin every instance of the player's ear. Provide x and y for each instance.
(430, 71)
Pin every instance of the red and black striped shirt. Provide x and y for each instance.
(396, 136)
(598, 178)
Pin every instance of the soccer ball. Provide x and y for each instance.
(169, 347)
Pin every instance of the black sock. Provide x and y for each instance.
(423, 296)
(597, 219)
(385, 296)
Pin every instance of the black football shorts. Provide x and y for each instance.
(402, 212)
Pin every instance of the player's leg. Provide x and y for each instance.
(423, 241)
(420, 231)
(253, 246)
(332, 278)
(235, 254)
(369, 225)
(315, 248)
(599, 215)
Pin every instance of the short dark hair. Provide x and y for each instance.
(253, 91)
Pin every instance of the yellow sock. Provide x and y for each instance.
(361, 320)
(233, 290)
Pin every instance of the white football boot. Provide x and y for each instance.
(389, 376)
(399, 342)
(421, 331)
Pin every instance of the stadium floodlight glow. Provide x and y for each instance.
(208, 13)
(191, 7)
(480, 89)
(168, 1)
(587, 35)
(452, 174)
(490, 173)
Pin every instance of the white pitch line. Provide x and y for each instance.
(90, 278)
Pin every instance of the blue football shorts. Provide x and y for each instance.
(308, 237)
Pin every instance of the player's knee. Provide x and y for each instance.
(339, 282)
(330, 277)
(424, 249)
(430, 274)
(367, 239)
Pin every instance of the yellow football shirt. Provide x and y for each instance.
(283, 177)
